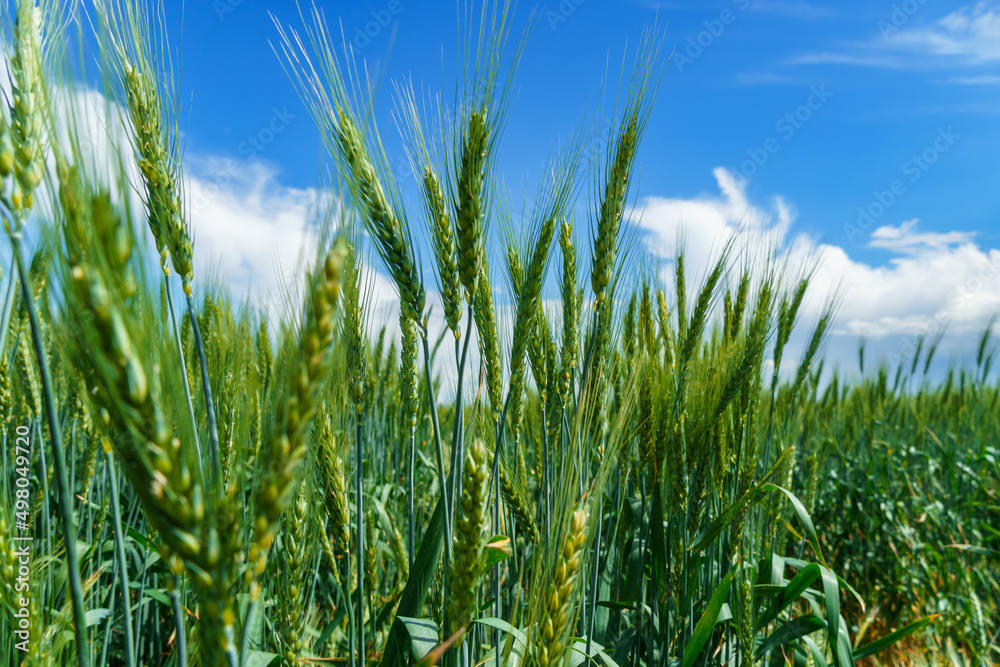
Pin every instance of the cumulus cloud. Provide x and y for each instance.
(932, 282)
(253, 231)
(248, 227)
(255, 234)
(702, 226)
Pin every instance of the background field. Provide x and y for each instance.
(562, 450)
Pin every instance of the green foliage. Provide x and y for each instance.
(657, 493)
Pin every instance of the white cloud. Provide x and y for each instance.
(932, 281)
(703, 225)
(971, 33)
(981, 80)
(254, 234)
(904, 239)
(967, 39)
(861, 57)
(252, 230)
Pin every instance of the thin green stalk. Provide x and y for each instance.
(440, 449)
(175, 600)
(458, 454)
(345, 591)
(546, 490)
(184, 375)
(122, 563)
(43, 474)
(497, 608)
(213, 429)
(107, 626)
(137, 632)
(494, 485)
(8, 307)
(55, 433)
(231, 657)
(361, 546)
(411, 490)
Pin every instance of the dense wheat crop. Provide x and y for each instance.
(611, 471)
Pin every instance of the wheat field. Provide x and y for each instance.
(610, 470)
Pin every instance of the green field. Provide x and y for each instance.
(552, 458)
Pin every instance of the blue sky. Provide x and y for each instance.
(795, 114)
(711, 111)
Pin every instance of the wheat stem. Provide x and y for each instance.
(359, 507)
(120, 555)
(457, 439)
(230, 650)
(410, 497)
(597, 572)
(175, 602)
(184, 374)
(8, 307)
(432, 401)
(213, 429)
(349, 603)
(107, 626)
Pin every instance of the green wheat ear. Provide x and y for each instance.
(286, 451)
(27, 113)
(471, 530)
(571, 309)
(550, 641)
(469, 202)
(484, 312)
(445, 250)
(133, 52)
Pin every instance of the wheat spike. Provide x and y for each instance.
(6, 399)
(380, 217)
(485, 317)
(517, 506)
(334, 490)
(292, 600)
(27, 113)
(469, 201)
(551, 638)
(470, 537)
(571, 309)
(357, 353)
(287, 447)
(444, 250)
